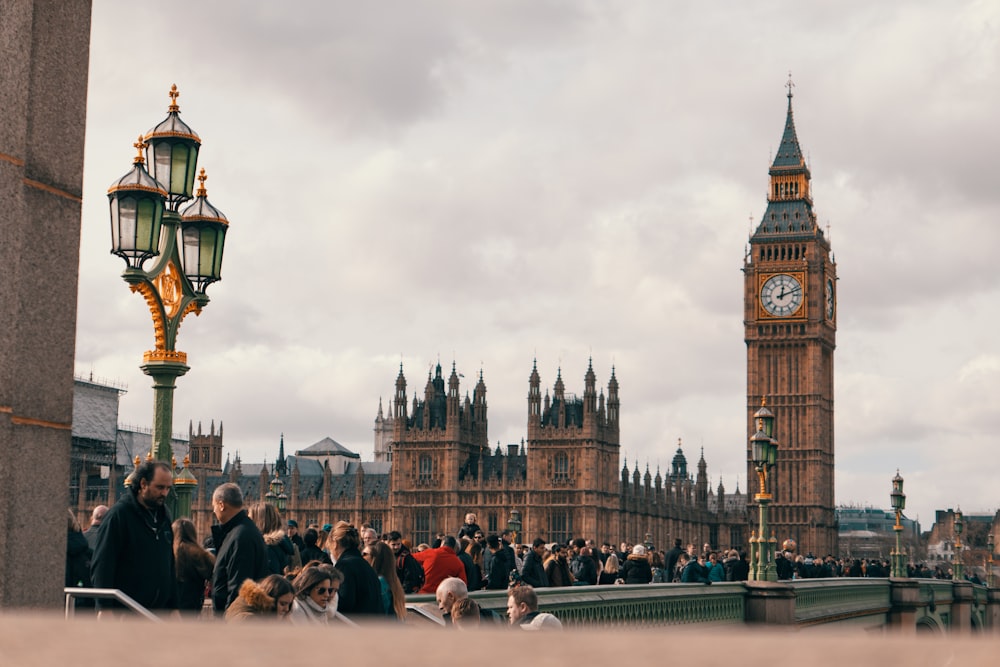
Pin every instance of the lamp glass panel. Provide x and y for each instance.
(180, 182)
(759, 452)
(147, 236)
(772, 453)
(191, 251)
(161, 162)
(123, 214)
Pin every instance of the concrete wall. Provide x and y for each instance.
(44, 54)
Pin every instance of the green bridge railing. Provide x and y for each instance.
(870, 603)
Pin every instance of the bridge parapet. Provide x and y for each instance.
(896, 605)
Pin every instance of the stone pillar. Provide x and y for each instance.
(961, 608)
(993, 611)
(905, 602)
(44, 55)
(770, 603)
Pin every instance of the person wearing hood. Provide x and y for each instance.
(281, 552)
(637, 569)
(271, 597)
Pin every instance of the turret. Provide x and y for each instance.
(534, 395)
(613, 403)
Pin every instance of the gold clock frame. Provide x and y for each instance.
(803, 311)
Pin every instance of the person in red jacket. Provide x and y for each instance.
(439, 564)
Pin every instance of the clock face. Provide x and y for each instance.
(830, 301)
(781, 295)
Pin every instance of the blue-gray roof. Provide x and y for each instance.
(327, 447)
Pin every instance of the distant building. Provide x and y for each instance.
(976, 529)
(563, 480)
(867, 532)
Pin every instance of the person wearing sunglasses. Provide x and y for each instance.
(316, 595)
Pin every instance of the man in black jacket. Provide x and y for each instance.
(533, 573)
(409, 571)
(241, 551)
(135, 545)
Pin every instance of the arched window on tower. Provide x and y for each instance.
(426, 468)
(560, 472)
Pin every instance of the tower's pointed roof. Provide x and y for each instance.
(789, 153)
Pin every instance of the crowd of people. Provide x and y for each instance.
(257, 564)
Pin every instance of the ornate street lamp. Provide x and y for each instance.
(989, 561)
(898, 504)
(957, 567)
(276, 493)
(764, 453)
(514, 525)
(145, 224)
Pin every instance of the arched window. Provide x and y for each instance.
(426, 467)
(561, 467)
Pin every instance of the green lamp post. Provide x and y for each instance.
(187, 247)
(764, 452)
(957, 567)
(898, 504)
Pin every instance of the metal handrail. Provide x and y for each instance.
(424, 613)
(106, 594)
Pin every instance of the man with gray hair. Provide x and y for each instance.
(241, 553)
(453, 590)
(95, 522)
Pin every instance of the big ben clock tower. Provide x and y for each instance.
(790, 311)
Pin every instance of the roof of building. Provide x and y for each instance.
(327, 447)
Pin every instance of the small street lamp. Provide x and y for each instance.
(898, 504)
(187, 246)
(514, 525)
(989, 561)
(276, 493)
(957, 568)
(764, 452)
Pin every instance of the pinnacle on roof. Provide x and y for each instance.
(789, 153)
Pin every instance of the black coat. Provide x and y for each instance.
(498, 571)
(77, 560)
(584, 569)
(241, 555)
(135, 554)
(532, 572)
(360, 591)
(637, 570)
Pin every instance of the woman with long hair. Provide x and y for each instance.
(280, 550)
(609, 574)
(193, 565)
(272, 596)
(315, 595)
(383, 561)
(475, 551)
(360, 593)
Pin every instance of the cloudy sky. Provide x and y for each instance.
(493, 182)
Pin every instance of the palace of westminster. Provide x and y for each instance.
(433, 462)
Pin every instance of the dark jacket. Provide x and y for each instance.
(194, 568)
(695, 573)
(637, 570)
(737, 569)
(584, 569)
(280, 551)
(532, 572)
(670, 560)
(360, 591)
(498, 571)
(135, 554)
(468, 530)
(241, 555)
(77, 560)
(409, 571)
(313, 552)
(473, 575)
